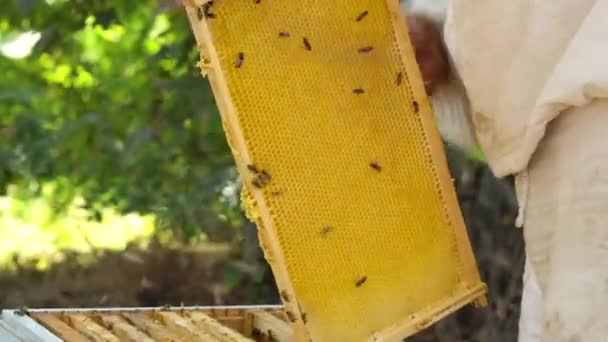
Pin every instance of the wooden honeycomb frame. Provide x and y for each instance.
(474, 291)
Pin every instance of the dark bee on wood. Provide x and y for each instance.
(358, 91)
(22, 311)
(307, 44)
(416, 106)
(375, 166)
(207, 10)
(284, 34)
(261, 179)
(285, 296)
(240, 59)
(257, 183)
(304, 318)
(200, 12)
(291, 316)
(399, 78)
(252, 168)
(265, 176)
(326, 230)
(361, 281)
(366, 49)
(361, 16)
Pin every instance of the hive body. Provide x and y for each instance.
(342, 166)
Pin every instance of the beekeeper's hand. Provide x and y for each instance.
(431, 54)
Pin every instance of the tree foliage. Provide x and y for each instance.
(109, 106)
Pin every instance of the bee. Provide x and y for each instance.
(307, 44)
(261, 179)
(207, 10)
(375, 166)
(361, 16)
(361, 281)
(200, 13)
(285, 296)
(326, 230)
(258, 1)
(22, 311)
(366, 49)
(284, 34)
(257, 183)
(416, 106)
(399, 78)
(240, 59)
(265, 176)
(304, 318)
(290, 315)
(252, 168)
(358, 91)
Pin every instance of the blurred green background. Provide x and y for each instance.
(117, 187)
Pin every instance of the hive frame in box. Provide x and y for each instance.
(195, 323)
(210, 63)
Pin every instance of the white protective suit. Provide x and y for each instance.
(536, 76)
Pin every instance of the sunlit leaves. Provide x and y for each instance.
(110, 103)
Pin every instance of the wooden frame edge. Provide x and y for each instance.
(469, 274)
(414, 324)
(219, 86)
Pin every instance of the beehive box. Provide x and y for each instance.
(166, 324)
(343, 169)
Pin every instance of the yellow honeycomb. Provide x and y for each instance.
(342, 166)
